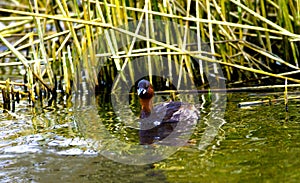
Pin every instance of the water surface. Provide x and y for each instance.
(256, 144)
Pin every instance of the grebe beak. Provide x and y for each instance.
(141, 91)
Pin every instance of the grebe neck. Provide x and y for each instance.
(147, 106)
(145, 92)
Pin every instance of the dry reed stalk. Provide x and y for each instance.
(243, 39)
(23, 60)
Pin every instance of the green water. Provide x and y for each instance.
(257, 144)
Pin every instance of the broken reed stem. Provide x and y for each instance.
(24, 61)
(21, 92)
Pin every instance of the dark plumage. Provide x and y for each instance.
(160, 121)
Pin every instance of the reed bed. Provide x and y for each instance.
(49, 43)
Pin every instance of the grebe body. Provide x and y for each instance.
(162, 120)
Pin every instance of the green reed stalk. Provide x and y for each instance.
(199, 40)
(64, 9)
(66, 73)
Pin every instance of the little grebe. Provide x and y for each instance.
(160, 121)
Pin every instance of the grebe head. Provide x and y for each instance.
(145, 92)
(145, 89)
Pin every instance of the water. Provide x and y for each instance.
(257, 144)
